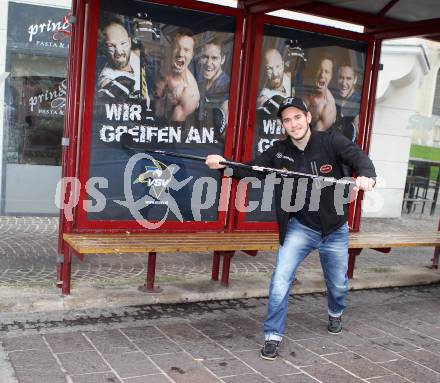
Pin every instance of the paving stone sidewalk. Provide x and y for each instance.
(28, 249)
(390, 336)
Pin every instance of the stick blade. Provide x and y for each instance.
(126, 141)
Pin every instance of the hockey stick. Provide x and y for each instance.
(127, 142)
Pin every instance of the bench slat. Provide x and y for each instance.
(384, 240)
(170, 242)
(84, 243)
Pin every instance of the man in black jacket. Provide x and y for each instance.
(318, 217)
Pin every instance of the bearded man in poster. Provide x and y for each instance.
(120, 79)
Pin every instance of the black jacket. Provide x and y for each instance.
(326, 154)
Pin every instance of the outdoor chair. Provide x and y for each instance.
(416, 188)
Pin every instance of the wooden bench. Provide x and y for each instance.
(384, 242)
(222, 244)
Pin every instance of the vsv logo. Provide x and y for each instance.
(157, 182)
(156, 177)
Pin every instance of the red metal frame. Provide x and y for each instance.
(71, 132)
(364, 142)
(252, 50)
(364, 130)
(387, 7)
(242, 112)
(366, 136)
(436, 255)
(81, 223)
(253, 73)
(248, 39)
(73, 92)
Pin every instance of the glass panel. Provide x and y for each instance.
(405, 149)
(326, 72)
(38, 90)
(163, 76)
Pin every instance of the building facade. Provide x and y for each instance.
(33, 66)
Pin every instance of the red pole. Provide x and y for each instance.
(151, 271)
(70, 135)
(244, 90)
(148, 287)
(215, 265)
(362, 117)
(227, 256)
(366, 137)
(372, 96)
(436, 256)
(66, 272)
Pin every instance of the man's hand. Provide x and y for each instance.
(364, 183)
(213, 161)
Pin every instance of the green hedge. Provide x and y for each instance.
(428, 153)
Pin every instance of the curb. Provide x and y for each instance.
(250, 285)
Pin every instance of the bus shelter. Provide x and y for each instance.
(197, 78)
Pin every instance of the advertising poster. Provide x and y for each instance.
(163, 76)
(326, 72)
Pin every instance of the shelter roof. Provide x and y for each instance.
(384, 19)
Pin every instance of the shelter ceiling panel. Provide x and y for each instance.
(410, 10)
(372, 6)
(403, 10)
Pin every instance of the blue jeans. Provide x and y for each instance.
(299, 242)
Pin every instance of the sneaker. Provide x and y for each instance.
(334, 324)
(270, 349)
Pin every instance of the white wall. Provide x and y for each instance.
(428, 132)
(404, 67)
(44, 181)
(427, 91)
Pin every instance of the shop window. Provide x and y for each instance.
(37, 101)
(36, 59)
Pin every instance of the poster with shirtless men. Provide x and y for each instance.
(163, 76)
(326, 72)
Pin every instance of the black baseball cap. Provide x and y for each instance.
(292, 101)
